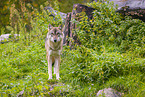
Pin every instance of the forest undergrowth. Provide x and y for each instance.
(111, 55)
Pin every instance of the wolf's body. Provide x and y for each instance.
(53, 45)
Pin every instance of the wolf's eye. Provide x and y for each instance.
(51, 34)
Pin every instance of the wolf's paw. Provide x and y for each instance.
(49, 78)
(58, 78)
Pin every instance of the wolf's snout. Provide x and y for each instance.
(55, 40)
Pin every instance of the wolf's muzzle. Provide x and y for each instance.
(55, 40)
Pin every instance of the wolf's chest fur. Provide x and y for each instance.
(54, 49)
(54, 53)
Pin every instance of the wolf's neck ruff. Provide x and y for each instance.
(54, 46)
(54, 49)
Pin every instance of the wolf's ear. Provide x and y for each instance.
(50, 27)
(60, 27)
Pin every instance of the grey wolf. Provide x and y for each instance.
(53, 45)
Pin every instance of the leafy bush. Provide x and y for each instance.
(111, 47)
(88, 66)
(108, 28)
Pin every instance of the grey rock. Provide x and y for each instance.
(6, 37)
(130, 3)
(133, 8)
(20, 94)
(108, 93)
(55, 12)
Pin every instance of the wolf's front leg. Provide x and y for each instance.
(57, 63)
(50, 67)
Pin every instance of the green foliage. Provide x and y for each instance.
(111, 54)
(108, 28)
(30, 24)
(88, 66)
(130, 83)
(4, 15)
(5, 10)
(111, 47)
(67, 5)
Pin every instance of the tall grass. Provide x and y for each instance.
(104, 59)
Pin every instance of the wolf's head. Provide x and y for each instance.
(55, 34)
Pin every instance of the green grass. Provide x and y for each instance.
(103, 59)
(83, 71)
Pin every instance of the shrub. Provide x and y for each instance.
(108, 28)
(111, 47)
(88, 66)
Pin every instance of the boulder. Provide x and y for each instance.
(55, 12)
(133, 8)
(130, 3)
(5, 37)
(78, 8)
(108, 93)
